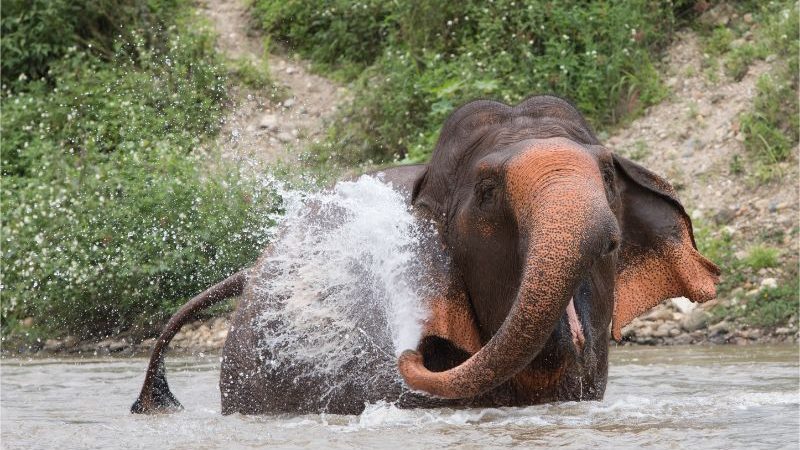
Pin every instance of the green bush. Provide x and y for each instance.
(37, 33)
(335, 34)
(765, 307)
(111, 216)
(774, 306)
(432, 56)
(761, 257)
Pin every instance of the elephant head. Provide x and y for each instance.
(553, 239)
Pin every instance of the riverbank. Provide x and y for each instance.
(665, 325)
(744, 209)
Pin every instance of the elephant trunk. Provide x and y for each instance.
(564, 227)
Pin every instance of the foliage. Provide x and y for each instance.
(761, 257)
(719, 247)
(335, 34)
(414, 62)
(37, 33)
(770, 128)
(109, 218)
(763, 307)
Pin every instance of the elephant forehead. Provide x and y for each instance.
(545, 161)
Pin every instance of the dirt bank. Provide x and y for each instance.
(260, 128)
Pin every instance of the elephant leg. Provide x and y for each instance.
(450, 334)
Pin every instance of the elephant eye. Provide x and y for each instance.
(484, 190)
(608, 179)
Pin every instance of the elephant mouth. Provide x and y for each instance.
(575, 327)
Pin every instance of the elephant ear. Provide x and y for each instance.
(658, 257)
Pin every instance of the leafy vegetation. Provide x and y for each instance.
(37, 33)
(761, 257)
(109, 220)
(412, 63)
(769, 32)
(763, 306)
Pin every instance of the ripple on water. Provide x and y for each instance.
(720, 399)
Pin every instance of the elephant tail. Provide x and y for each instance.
(155, 396)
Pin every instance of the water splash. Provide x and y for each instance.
(342, 283)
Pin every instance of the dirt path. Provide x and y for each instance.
(258, 128)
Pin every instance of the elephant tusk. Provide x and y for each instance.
(575, 327)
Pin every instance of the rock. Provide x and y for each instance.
(658, 314)
(52, 345)
(719, 328)
(644, 331)
(285, 137)
(645, 340)
(769, 283)
(779, 331)
(683, 304)
(748, 18)
(290, 70)
(117, 346)
(724, 216)
(70, 342)
(682, 339)
(695, 320)
(288, 103)
(689, 147)
(269, 122)
(740, 341)
(709, 305)
(27, 322)
(663, 330)
(719, 15)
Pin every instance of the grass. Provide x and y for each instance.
(761, 257)
(760, 307)
(770, 127)
(638, 152)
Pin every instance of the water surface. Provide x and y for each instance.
(672, 397)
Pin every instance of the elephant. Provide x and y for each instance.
(553, 244)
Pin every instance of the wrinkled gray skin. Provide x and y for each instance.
(248, 387)
(548, 235)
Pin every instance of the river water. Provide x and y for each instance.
(671, 397)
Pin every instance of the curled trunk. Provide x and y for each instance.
(564, 231)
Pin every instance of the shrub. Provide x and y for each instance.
(761, 257)
(111, 218)
(432, 56)
(37, 33)
(335, 34)
(120, 240)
